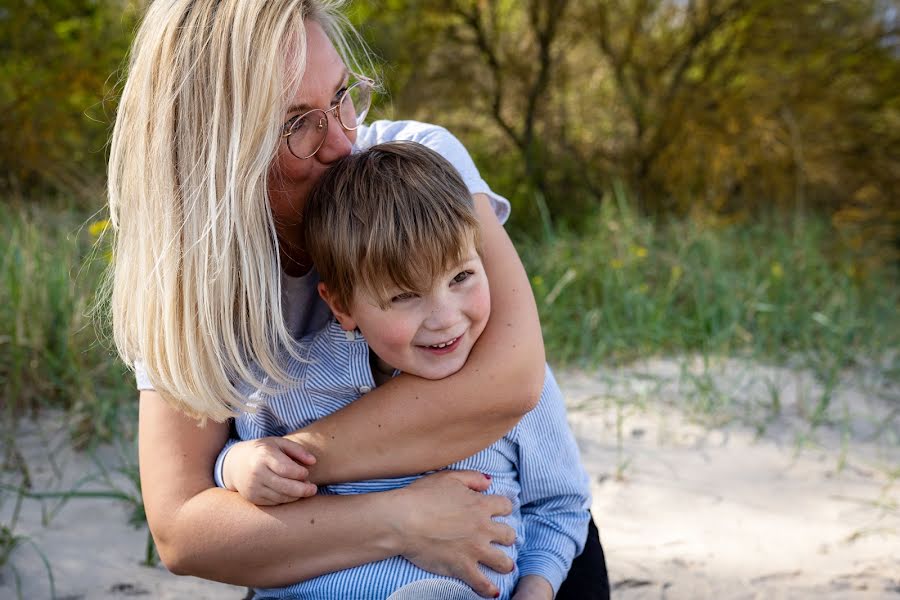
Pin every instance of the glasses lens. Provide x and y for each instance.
(355, 104)
(307, 133)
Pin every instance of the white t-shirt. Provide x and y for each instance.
(304, 310)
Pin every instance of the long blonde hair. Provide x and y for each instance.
(196, 286)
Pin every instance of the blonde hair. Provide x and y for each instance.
(396, 214)
(196, 284)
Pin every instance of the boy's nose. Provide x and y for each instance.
(442, 316)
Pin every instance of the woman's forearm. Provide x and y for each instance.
(207, 532)
(442, 523)
(410, 425)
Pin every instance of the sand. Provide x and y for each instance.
(709, 481)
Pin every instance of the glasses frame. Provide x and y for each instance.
(323, 120)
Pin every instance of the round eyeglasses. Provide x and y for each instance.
(306, 133)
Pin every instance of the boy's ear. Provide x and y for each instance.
(343, 317)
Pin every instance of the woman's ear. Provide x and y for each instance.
(343, 317)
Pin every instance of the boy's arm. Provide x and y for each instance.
(555, 492)
(533, 587)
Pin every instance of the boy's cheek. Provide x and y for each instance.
(483, 304)
(395, 335)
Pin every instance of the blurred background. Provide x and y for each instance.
(685, 174)
(688, 177)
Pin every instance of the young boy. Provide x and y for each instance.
(394, 237)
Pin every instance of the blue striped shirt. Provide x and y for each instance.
(536, 466)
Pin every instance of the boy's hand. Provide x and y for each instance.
(533, 587)
(269, 471)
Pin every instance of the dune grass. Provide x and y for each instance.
(775, 290)
(780, 291)
(51, 264)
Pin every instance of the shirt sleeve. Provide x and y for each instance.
(218, 473)
(444, 143)
(141, 376)
(555, 492)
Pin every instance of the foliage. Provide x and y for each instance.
(57, 71)
(772, 290)
(51, 268)
(723, 106)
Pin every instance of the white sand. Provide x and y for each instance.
(693, 497)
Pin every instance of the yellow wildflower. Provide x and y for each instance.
(97, 228)
(777, 270)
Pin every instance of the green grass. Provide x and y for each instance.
(51, 265)
(783, 292)
(625, 287)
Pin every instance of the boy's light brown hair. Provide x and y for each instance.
(396, 214)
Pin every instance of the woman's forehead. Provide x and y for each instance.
(324, 72)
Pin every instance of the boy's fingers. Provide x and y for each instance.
(274, 497)
(296, 451)
(293, 489)
(282, 466)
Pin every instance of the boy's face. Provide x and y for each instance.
(427, 335)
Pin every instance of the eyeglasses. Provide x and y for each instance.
(306, 133)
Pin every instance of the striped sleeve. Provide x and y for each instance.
(555, 490)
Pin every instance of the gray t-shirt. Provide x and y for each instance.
(304, 310)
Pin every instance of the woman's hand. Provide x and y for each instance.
(533, 587)
(269, 471)
(447, 527)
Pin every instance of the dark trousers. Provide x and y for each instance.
(587, 579)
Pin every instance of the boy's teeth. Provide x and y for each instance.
(443, 344)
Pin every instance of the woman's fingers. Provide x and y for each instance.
(449, 528)
(502, 534)
(475, 481)
(496, 559)
(478, 581)
(500, 506)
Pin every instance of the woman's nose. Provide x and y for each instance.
(337, 142)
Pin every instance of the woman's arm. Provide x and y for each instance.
(439, 523)
(410, 425)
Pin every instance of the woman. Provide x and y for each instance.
(210, 166)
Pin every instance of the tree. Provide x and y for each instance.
(57, 72)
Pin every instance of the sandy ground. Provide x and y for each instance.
(708, 482)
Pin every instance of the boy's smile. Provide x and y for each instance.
(430, 334)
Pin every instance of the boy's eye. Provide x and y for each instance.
(403, 296)
(462, 276)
